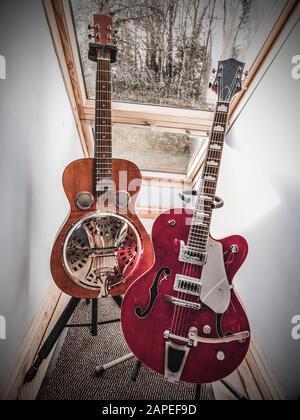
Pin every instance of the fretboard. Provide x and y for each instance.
(103, 123)
(200, 228)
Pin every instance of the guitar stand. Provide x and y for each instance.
(63, 323)
(202, 391)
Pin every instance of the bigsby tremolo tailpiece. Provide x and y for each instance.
(175, 358)
(176, 354)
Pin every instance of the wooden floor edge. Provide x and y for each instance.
(31, 343)
(257, 377)
(267, 383)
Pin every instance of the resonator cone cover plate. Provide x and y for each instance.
(101, 251)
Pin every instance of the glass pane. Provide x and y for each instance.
(167, 48)
(155, 150)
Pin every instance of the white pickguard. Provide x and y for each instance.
(215, 291)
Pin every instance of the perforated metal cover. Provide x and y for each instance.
(101, 250)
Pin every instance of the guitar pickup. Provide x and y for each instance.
(190, 256)
(188, 285)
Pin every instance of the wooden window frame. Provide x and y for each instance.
(187, 121)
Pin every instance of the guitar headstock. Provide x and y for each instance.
(229, 79)
(103, 35)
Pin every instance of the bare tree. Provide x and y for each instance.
(166, 47)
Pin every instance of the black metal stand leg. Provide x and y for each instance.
(234, 391)
(94, 328)
(118, 300)
(136, 371)
(52, 339)
(198, 392)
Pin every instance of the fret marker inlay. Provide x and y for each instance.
(212, 163)
(219, 129)
(222, 108)
(215, 147)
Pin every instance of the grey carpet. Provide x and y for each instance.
(73, 375)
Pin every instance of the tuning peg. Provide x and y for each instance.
(210, 85)
(214, 71)
(96, 36)
(109, 28)
(246, 73)
(90, 27)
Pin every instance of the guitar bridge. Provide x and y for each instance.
(182, 303)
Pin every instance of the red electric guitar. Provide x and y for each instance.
(183, 318)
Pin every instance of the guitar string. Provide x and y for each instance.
(188, 312)
(222, 121)
(101, 146)
(188, 269)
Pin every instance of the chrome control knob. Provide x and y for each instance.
(207, 329)
(221, 356)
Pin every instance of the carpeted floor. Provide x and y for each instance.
(73, 378)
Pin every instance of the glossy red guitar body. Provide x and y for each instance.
(145, 334)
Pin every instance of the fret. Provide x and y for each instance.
(202, 240)
(196, 239)
(209, 188)
(103, 165)
(210, 172)
(199, 228)
(198, 236)
(195, 246)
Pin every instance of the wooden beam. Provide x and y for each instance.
(58, 27)
(188, 121)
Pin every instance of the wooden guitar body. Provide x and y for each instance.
(77, 178)
(147, 314)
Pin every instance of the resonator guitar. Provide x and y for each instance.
(103, 246)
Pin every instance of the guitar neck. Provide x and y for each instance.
(103, 123)
(201, 222)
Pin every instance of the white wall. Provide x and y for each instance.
(261, 188)
(38, 138)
